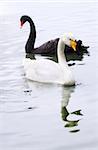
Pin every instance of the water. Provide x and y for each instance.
(46, 116)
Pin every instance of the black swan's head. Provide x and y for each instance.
(23, 19)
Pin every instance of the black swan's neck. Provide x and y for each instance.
(31, 40)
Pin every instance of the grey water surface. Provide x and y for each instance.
(37, 116)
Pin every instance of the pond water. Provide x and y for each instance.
(41, 116)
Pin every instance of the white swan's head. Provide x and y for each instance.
(69, 40)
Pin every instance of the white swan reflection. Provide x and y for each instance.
(69, 123)
(53, 95)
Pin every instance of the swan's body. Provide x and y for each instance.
(50, 47)
(48, 71)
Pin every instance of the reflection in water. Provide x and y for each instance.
(69, 123)
(41, 89)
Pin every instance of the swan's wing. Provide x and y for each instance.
(43, 70)
(49, 47)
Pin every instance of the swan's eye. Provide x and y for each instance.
(74, 40)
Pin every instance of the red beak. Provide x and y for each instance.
(21, 24)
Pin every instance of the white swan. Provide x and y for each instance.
(48, 71)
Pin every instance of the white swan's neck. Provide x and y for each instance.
(60, 51)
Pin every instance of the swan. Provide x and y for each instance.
(48, 71)
(50, 47)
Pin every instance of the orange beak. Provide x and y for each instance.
(73, 44)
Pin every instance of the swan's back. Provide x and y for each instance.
(42, 70)
(47, 71)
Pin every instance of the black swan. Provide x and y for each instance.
(49, 48)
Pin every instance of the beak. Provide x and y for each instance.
(73, 45)
(21, 24)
